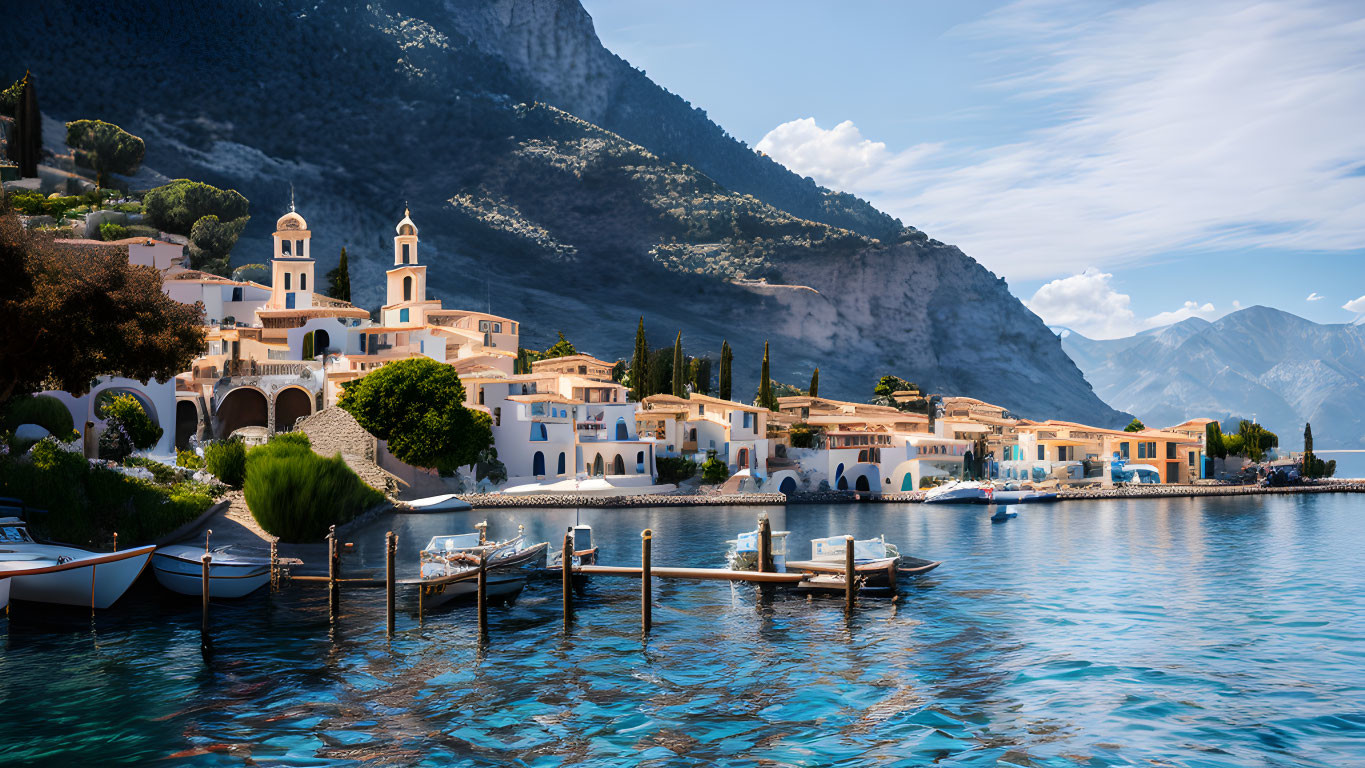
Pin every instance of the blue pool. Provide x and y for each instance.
(1208, 632)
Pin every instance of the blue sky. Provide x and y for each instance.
(1122, 165)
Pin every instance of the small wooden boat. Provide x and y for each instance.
(915, 566)
(179, 568)
(874, 561)
(55, 573)
(445, 503)
(450, 567)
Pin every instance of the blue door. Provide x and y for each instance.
(561, 462)
(289, 301)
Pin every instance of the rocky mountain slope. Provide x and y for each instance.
(1259, 361)
(618, 200)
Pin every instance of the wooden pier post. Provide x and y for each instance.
(646, 578)
(765, 544)
(274, 567)
(849, 574)
(333, 572)
(115, 541)
(204, 602)
(390, 545)
(567, 573)
(483, 595)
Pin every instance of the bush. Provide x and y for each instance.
(111, 231)
(675, 469)
(161, 474)
(188, 459)
(226, 460)
(296, 494)
(44, 410)
(803, 435)
(175, 207)
(714, 470)
(126, 427)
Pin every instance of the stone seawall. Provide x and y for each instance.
(489, 500)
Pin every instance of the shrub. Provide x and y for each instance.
(803, 435)
(188, 459)
(111, 231)
(175, 207)
(226, 460)
(713, 470)
(162, 474)
(126, 427)
(296, 494)
(44, 410)
(675, 469)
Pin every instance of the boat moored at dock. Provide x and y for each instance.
(179, 568)
(56, 573)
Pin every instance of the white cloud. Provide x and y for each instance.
(1178, 126)
(1315, 297)
(1355, 305)
(1089, 304)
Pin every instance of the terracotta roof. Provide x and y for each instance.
(543, 397)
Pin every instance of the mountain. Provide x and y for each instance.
(551, 181)
(1261, 362)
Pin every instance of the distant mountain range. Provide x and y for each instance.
(1262, 362)
(552, 182)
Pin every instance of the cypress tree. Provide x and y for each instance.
(341, 279)
(701, 380)
(679, 369)
(639, 365)
(726, 358)
(28, 130)
(1310, 468)
(815, 383)
(765, 385)
(308, 346)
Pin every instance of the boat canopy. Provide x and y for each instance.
(832, 549)
(453, 542)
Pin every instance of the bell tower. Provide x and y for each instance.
(291, 262)
(407, 281)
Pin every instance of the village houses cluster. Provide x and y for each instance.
(279, 353)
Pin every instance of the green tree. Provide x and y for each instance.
(175, 207)
(561, 348)
(1135, 426)
(105, 148)
(713, 470)
(699, 373)
(308, 346)
(618, 371)
(9, 99)
(211, 243)
(679, 368)
(72, 314)
(661, 370)
(110, 231)
(417, 405)
(815, 383)
(639, 365)
(766, 398)
(727, 358)
(1256, 440)
(340, 279)
(26, 144)
(888, 386)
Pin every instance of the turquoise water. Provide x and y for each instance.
(1211, 632)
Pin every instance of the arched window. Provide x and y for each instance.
(562, 459)
(618, 465)
(621, 432)
(839, 472)
(538, 464)
(286, 281)
(303, 281)
(407, 288)
(407, 250)
(692, 435)
(640, 462)
(742, 458)
(284, 247)
(598, 466)
(862, 456)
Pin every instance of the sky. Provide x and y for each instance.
(1122, 165)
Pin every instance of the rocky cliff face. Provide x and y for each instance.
(1280, 368)
(528, 209)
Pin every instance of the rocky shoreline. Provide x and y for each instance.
(493, 500)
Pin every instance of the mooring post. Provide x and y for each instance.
(848, 574)
(483, 595)
(390, 546)
(274, 567)
(765, 544)
(567, 573)
(333, 572)
(204, 602)
(115, 541)
(646, 577)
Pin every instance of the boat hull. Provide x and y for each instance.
(501, 587)
(226, 580)
(94, 580)
(4, 592)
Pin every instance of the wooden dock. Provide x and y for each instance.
(704, 574)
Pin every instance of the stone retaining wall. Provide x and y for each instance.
(487, 500)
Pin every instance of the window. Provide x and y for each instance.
(561, 462)
(497, 417)
(1042, 452)
(298, 248)
(1170, 451)
(480, 390)
(407, 289)
(538, 433)
(237, 293)
(303, 281)
(284, 247)
(748, 419)
(483, 326)
(701, 409)
(286, 281)
(406, 252)
(403, 315)
(362, 346)
(1123, 451)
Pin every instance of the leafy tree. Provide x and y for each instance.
(1214, 447)
(804, 435)
(888, 386)
(72, 314)
(417, 405)
(639, 365)
(766, 398)
(675, 469)
(1135, 426)
(26, 145)
(618, 371)
(175, 207)
(1256, 440)
(340, 279)
(679, 368)
(561, 348)
(815, 383)
(211, 243)
(105, 147)
(713, 470)
(786, 390)
(699, 375)
(727, 359)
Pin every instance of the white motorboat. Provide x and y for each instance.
(450, 566)
(180, 568)
(743, 552)
(14, 564)
(444, 503)
(54, 573)
(960, 492)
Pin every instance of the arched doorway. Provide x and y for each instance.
(242, 407)
(618, 465)
(186, 422)
(321, 341)
(622, 433)
(598, 467)
(861, 484)
(538, 464)
(562, 461)
(742, 458)
(291, 404)
(788, 485)
(843, 483)
(640, 462)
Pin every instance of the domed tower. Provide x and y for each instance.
(291, 265)
(407, 281)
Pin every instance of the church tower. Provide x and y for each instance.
(291, 264)
(407, 281)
